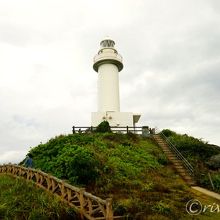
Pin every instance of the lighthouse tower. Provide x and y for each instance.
(108, 64)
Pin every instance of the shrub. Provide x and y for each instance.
(168, 132)
(103, 127)
(77, 164)
(65, 159)
(214, 162)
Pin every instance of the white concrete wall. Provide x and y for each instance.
(120, 119)
(108, 88)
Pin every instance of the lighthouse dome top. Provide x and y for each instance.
(107, 54)
(107, 42)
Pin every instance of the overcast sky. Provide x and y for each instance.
(171, 75)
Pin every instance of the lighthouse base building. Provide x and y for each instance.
(108, 64)
(119, 119)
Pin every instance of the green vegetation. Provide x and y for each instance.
(20, 200)
(103, 127)
(131, 169)
(204, 157)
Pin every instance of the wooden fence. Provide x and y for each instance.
(89, 206)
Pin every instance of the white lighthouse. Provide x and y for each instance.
(108, 64)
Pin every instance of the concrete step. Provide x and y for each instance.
(172, 158)
(182, 171)
(166, 149)
(160, 141)
(187, 177)
(184, 175)
(162, 144)
(169, 154)
(178, 165)
(191, 181)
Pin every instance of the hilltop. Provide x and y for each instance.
(131, 169)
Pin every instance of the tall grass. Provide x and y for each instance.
(20, 200)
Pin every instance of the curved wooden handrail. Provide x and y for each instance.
(88, 205)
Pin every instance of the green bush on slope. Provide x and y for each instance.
(84, 158)
(67, 160)
(103, 127)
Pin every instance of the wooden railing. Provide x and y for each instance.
(89, 206)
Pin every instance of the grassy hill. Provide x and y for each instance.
(131, 169)
(20, 200)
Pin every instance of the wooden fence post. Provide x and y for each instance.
(109, 212)
(127, 130)
(73, 130)
(82, 202)
(63, 193)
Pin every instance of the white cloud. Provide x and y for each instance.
(12, 156)
(47, 85)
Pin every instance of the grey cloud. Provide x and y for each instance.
(27, 122)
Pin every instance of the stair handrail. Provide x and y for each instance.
(186, 163)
